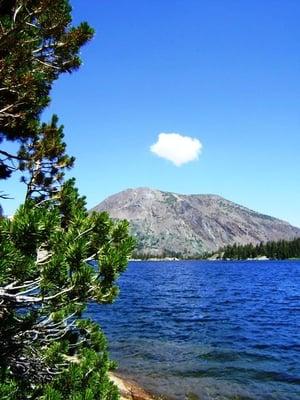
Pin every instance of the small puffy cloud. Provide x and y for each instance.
(177, 148)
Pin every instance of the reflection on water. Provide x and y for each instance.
(208, 330)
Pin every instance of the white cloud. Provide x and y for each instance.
(177, 148)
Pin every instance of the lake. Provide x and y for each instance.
(208, 329)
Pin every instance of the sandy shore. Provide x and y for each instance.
(129, 389)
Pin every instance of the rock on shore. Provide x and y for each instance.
(129, 390)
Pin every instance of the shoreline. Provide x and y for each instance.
(262, 258)
(129, 389)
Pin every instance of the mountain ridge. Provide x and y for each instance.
(167, 223)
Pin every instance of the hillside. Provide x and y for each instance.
(168, 223)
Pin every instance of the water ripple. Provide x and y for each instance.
(208, 330)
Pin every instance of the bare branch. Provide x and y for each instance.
(84, 232)
(16, 12)
(8, 155)
(47, 64)
(7, 108)
(20, 298)
(12, 286)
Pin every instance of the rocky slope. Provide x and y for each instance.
(188, 225)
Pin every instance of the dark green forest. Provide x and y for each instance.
(278, 250)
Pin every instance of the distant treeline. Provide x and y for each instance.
(164, 254)
(279, 250)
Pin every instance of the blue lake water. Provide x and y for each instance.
(208, 330)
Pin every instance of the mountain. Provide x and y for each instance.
(188, 225)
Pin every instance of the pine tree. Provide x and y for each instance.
(45, 282)
(44, 159)
(37, 44)
(55, 257)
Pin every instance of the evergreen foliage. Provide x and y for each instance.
(37, 44)
(45, 283)
(55, 257)
(44, 160)
(279, 250)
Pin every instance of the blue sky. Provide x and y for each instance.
(224, 72)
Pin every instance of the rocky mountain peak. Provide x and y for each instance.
(166, 223)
